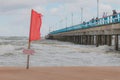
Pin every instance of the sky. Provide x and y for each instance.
(57, 14)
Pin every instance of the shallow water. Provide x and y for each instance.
(55, 53)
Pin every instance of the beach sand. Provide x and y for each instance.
(60, 73)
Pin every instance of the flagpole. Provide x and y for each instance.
(28, 57)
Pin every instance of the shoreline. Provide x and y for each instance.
(60, 73)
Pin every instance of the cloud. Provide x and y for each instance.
(16, 13)
(6, 5)
(54, 10)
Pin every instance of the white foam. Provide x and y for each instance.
(6, 49)
(55, 53)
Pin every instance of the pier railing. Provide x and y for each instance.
(112, 19)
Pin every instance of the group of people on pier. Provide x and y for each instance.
(95, 20)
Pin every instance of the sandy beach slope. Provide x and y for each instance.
(60, 73)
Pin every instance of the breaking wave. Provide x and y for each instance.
(56, 53)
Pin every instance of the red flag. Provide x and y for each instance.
(35, 26)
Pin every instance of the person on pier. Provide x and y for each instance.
(114, 16)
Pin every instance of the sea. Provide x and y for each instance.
(55, 53)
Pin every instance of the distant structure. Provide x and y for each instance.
(99, 31)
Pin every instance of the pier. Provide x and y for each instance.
(102, 31)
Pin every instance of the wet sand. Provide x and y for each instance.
(60, 73)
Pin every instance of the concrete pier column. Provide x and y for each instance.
(73, 38)
(89, 40)
(79, 39)
(69, 38)
(82, 39)
(92, 40)
(66, 38)
(105, 39)
(76, 39)
(101, 39)
(97, 40)
(62, 38)
(116, 42)
(110, 40)
(86, 39)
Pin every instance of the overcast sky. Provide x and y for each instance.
(15, 14)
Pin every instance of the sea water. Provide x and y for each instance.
(56, 53)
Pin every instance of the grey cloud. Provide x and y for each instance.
(7, 5)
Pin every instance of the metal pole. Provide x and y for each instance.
(81, 15)
(61, 23)
(28, 57)
(49, 29)
(66, 23)
(98, 8)
(72, 19)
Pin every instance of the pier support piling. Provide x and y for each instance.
(116, 42)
